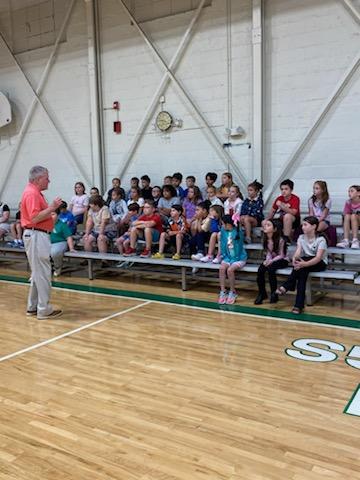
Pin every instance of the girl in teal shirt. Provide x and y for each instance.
(233, 258)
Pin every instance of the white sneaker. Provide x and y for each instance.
(355, 243)
(217, 260)
(343, 244)
(196, 257)
(207, 259)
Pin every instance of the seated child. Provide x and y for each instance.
(148, 227)
(214, 222)
(226, 183)
(233, 203)
(135, 197)
(156, 193)
(310, 256)
(192, 199)
(67, 217)
(351, 216)
(17, 231)
(251, 214)
(275, 251)
(286, 207)
(210, 179)
(176, 183)
(117, 207)
(174, 234)
(212, 197)
(190, 182)
(4, 220)
(98, 226)
(146, 188)
(233, 258)
(79, 203)
(168, 199)
(134, 183)
(199, 230)
(61, 240)
(116, 183)
(320, 204)
(132, 215)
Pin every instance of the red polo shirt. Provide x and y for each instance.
(32, 203)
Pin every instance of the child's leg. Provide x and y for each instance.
(290, 283)
(288, 221)
(162, 242)
(347, 222)
(88, 243)
(148, 237)
(19, 231)
(260, 279)
(13, 231)
(303, 274)
(355, 225)
(134, 232)
(272, 273)
(212, 244)
(120, 244)
(57, 253)
(222, 275)
(179, 239)
(231, 273)
(249, 223)
(102, 243)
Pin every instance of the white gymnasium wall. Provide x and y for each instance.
(309, 45)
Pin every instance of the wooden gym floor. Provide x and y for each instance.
(144, 388)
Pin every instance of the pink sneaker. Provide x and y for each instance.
(231, 298)
(222, 297)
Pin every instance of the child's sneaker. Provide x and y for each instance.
(231, 298)
(176, 256)
(207, 259)
(130, 252)
(343, 244)
(145, 253)
(217, 260)
(196, 257)
(355, 243)
(158, 255)
(222, 297)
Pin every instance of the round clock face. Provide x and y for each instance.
(164, 121)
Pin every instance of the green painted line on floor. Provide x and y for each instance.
(304, 317)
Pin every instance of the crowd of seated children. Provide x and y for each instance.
(310, 256)
(147, 227)
(351, 214)
(61, 241)
(176, 230)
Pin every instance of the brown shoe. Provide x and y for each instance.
(53, 314)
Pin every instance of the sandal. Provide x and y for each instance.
(281, 291)
(296, 310)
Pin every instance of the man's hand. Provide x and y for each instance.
(55, 203)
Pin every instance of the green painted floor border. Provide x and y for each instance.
(304, 317)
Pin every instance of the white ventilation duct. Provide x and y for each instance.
(5, 111)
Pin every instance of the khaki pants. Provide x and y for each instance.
(37, 247)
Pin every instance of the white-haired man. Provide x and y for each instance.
(36, 219)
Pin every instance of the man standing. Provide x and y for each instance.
(36, 219)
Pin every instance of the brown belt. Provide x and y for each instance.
(37, 229)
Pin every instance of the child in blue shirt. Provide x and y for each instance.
(67, 217)
(233, 258)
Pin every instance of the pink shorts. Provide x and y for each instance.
(237, 265)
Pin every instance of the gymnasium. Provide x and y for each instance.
(195, 143)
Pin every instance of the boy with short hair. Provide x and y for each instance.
(210, 179)
(190, 182)
(146, 189)
(148, 227)
(67, 217)
(61, 240)
(116, 183)
(176, 183)
(287, 207)
(123, 242)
